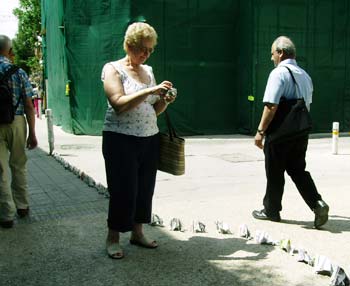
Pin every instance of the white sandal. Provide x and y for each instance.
(114, 250)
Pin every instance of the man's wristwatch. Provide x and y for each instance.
(261, 132)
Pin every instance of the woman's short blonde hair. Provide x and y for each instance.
(136, 33)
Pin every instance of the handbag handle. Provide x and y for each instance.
(171, 129)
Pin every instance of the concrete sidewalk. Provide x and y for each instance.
(62, 243)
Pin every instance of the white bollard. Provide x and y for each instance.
(51, 138)
(335, 137)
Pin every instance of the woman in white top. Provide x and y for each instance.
(130, 137)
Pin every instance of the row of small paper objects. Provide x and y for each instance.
(321, 264)
(81, 175)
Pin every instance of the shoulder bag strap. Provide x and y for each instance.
(171, 129)
(295, 82)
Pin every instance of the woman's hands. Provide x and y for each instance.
(165, 96)
(168, 98)
(162, 88)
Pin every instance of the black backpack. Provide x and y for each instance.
(7, 110)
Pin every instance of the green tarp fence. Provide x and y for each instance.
(217, 54)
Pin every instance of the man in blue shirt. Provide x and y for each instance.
(13, 141)
(288, 155)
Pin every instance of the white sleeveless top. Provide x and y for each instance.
(140, 121)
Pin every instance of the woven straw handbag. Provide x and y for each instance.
(171, 151)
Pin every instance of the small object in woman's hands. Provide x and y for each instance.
(163, 91)
(172, 92)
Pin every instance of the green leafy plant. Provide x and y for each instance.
(26, 45)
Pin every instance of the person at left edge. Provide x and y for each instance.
(130, 137)
(13, 186)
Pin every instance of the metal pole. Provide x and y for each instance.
(335, 137)
(51, 138)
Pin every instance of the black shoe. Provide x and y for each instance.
(6, 224)
(263, 216)
(23, 212)
(321, 213)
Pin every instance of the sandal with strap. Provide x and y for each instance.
(114, 250)
(144, 242)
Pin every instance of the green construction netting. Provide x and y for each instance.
(321, 32)
(217, 53)
(55, 62)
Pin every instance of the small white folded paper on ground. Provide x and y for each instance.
(262, 237)
(243, 231)
(156, 221)
(303, 256)
(198, 227)
(222, 227)
(176, 225)
(323, 265)
(339, 277)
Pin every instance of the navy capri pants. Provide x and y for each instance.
(131, 167)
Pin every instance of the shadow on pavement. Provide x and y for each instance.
(62, 243)
(71, 252)
(335, 224)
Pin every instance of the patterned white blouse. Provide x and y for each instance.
(140, 121)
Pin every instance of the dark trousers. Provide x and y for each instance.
(287, 156)
(131, 167)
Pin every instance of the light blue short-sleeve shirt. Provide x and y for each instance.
(280, 83)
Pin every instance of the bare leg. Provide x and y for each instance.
(138, 238)
(112, 236)
(137, 231)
